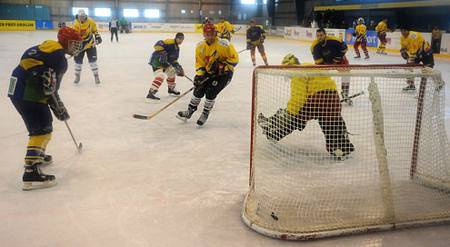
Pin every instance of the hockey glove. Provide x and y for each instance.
(98, 39)
(261, 40)
(178, 69)
(337, 60)
(48, 79)
(163, 59)
(199, 80)
(58, 108)
(404, 54)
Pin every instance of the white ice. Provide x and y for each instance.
(149, 183)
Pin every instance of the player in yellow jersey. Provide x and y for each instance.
(224, 29)
(381, 30)
(312, 97)
(361, 39)
(88, 30)
(215, 60)
(415, 50)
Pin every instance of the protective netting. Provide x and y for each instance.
(322, 168)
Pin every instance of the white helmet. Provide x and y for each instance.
(82, 15)
(361, 20)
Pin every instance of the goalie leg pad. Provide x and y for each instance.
(279, 125)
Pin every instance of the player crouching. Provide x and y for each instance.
(164, 61)
(311, 98)
(215, 60)
(415, 50)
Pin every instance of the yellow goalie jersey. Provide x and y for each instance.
(304, 87)
(87, 29)
(413, 43)
(221, 51)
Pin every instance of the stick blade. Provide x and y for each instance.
(80, 148)
(138, 116)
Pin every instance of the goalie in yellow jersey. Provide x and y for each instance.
(215, 60)
(311, 98)
(87, 28)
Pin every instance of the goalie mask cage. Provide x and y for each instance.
(397, 176)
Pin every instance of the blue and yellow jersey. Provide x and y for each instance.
(325, 52)
(87, 29)
(254, 35)
(381, 27)
(221, 51)
(304, 87)
(413, 43)
(170, 47)
(26, 81)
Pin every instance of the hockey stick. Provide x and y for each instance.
(353, 96)
(78, 145)
(239, 52)
(143, 117)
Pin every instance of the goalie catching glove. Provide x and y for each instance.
(58, 108)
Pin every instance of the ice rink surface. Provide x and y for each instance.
(149, 183)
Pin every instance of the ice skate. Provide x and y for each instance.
(34, 179)
(173, 92)
(77, 79)
(202, 119)
(185, 115)
(409, 88)
(151, 97)
(97, 79)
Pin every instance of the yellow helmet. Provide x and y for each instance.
(290, 59)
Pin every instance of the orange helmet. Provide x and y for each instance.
(70, 40)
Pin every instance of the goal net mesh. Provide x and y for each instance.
(305, 179)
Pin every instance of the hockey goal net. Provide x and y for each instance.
(319, 168)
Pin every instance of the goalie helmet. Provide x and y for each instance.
(70, 40)
(290, 59)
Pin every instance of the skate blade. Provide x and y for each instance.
(27, 186)
(182, 118)
(152, 101)
(46, 163)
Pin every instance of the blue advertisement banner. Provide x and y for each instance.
(372, 38)
(44, 25)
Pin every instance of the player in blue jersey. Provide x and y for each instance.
(330, 50)
(164, 61)
(33, 90)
